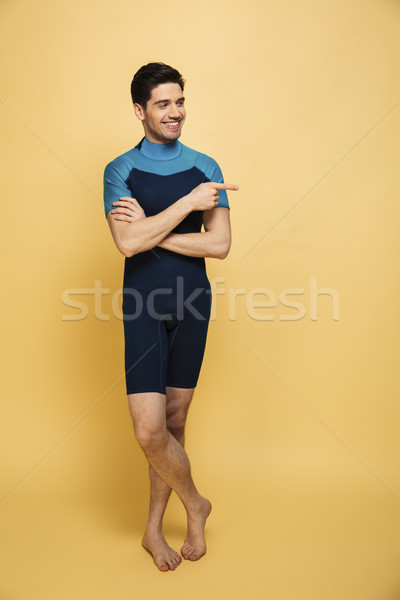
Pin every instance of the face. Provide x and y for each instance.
(164, 114)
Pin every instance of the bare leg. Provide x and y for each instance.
(165, 557)
(177, 405)
(159, 496)
(169, 460)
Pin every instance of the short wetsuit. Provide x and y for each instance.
(166, 298)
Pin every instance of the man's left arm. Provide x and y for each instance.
(214, 242)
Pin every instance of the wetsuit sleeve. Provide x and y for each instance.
(216, 175)
(114, 187)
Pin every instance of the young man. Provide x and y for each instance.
(157, 196)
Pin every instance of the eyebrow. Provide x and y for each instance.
(167, 100)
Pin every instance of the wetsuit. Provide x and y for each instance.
(166, 299)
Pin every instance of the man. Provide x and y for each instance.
(157, 196)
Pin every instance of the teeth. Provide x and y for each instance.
(173, 123)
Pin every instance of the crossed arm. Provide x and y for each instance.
(133, 232)
(214, 242)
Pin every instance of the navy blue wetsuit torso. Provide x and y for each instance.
(166, 295)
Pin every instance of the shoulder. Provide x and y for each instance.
(202, 161)
(122, 164)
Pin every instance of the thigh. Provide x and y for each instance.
(148, 411)
(178, 401)
(187, 348)
(146, 350)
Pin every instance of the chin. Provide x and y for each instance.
(174, 136)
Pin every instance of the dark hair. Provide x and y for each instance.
(149, 76)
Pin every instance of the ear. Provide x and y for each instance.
(139, 112)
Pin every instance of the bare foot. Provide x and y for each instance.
(194, 546)
(165, 558)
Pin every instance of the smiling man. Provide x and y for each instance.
(157, 198)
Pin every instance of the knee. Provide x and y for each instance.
(150, 437)
(176, 424)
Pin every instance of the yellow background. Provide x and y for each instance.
(293, 430)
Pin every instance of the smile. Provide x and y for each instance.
(172, 124)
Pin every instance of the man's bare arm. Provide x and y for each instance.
(143, 233)
(214, 242)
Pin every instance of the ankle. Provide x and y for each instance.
(196, 505)
(154, 527)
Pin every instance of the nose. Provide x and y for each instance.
(174, 112)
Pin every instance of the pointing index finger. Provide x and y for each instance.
(224, 186)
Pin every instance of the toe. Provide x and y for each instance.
(174, 561)
(187, 551)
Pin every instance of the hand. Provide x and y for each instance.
(128, 209)
(205, 196)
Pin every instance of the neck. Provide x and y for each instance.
(161, 151)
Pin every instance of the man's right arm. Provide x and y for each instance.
(143, 234)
